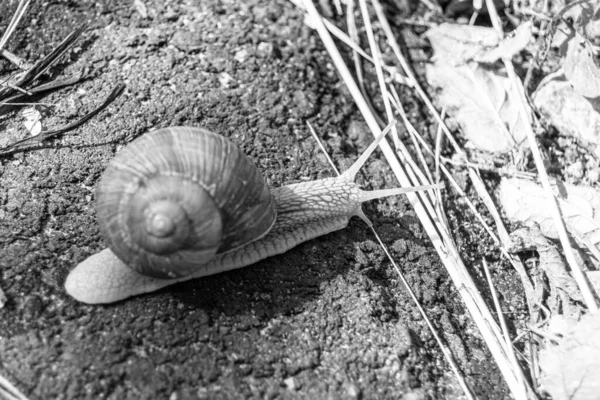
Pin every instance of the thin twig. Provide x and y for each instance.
(441, 241)
(16, 60)
(25, 144)
(509, 346)
(445, 350)
(42, 66)
(578, 274)
(378, 62)
(339, 34)
(14, 22)
(409, 72)
(320, 143)
(53, 85)
(8, 391)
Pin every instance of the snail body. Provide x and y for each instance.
(181, 203)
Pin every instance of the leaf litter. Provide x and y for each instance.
(471, 68)
(580, 56)
(479, 88)
(477, 95)
(571, 363)
(567, 110)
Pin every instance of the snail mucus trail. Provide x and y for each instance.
(180, 203)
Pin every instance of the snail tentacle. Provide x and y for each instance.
(247, 222)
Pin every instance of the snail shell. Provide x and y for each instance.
(182, 203)
(175, 197)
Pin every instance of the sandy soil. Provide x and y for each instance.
(305, 324)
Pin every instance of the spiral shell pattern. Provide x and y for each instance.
(175, 197)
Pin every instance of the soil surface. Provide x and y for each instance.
(327, 320)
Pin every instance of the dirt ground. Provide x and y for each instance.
(326, 320)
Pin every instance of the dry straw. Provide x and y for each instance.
(408, 174)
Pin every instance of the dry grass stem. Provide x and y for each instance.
(509, 345)
(440, 239)
(320, 143)
(34, 142)
(517, 86)
(483, 194)
(8, 391)
(16, 60)
(578, 274)
(445, 350)
(409, 72)
(14, 22)
(350, 42)
(378, 62)
(395, 100)
(370, 119)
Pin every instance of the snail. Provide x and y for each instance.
(180, 203)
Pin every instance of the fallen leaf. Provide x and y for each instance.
(570, 112)
(457, 44)
(510, 45)
(550, 261)
(592, 29)
(559, 325)
(524, 200)
(570, 368)
(482, 102)
(581, 68)
(585, 17)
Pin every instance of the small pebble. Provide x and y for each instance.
(225, 80)
(171, 15)
(353, 391)
(266, 49)
(241, 55)
(290, 383)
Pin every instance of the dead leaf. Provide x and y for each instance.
(585, 17)
(524, 200)
(581, 67)
(571, 367)
(458, 44)
(482, 102)
(592, 29)
(509, 46)
(550, 260)
(570, 112)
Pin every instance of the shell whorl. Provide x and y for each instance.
(175, 197)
